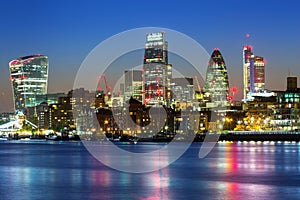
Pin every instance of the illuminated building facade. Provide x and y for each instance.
(29, 76)
(133, 85)
(157, 73)
(254, 73)
(182, 89)
(259, 74)
(216, 84)
(247, 53)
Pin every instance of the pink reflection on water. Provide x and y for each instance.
(237, 191)
(101, 178)
(250, 157)
(158, 181)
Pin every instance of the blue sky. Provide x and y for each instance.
(66, 31)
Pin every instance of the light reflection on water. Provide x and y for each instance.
(252, 170)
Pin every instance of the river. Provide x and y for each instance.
(66, 170)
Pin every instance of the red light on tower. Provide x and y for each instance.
(230, 98)
(234, 90)
(265, 62)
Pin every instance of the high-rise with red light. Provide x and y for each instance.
(157, 72)
(29, 77)
(254, 73)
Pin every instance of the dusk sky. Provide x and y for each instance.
(66, 31)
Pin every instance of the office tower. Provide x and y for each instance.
(259, 74)
(291, 83)
(182, 89)
(254, 73)
(133, 85)
(216, 84)
(29, 76)
(157, 73)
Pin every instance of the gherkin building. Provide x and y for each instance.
(216, 84)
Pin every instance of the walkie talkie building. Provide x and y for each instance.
(29, 77)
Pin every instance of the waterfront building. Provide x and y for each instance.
(287, 115)
(83, 103)
(61, 114)
(157, 72)
(216, 87)
(44, 116)
(260, 112)
(29, 78)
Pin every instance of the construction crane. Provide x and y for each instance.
(98, 84)
(199, 94)
(106, 85)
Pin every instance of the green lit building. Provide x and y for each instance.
(216, 84)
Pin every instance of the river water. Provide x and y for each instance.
(66, 170)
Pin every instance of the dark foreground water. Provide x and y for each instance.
(44, 170)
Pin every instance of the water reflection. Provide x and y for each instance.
(252, 170)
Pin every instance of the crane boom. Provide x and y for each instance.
(106, 85)
(198, 84)
(98, 84)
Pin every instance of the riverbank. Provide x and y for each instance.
(234, 137)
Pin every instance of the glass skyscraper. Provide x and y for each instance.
(254, 73)
(247, 53)
(259, 74)
(216, 84)
(29, 77)
(157, 73)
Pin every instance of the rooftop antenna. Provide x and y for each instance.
(289, 72)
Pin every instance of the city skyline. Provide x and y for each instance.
(67, 37)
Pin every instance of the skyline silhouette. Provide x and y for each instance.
(66, 32)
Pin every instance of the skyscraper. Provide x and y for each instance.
(216, 84)
(259, 74)
(29, 77)
(157, 73)
(247, 53)
(183, 89)
(254, 73)
(133, 85)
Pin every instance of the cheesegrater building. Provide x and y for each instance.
(29, 77)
